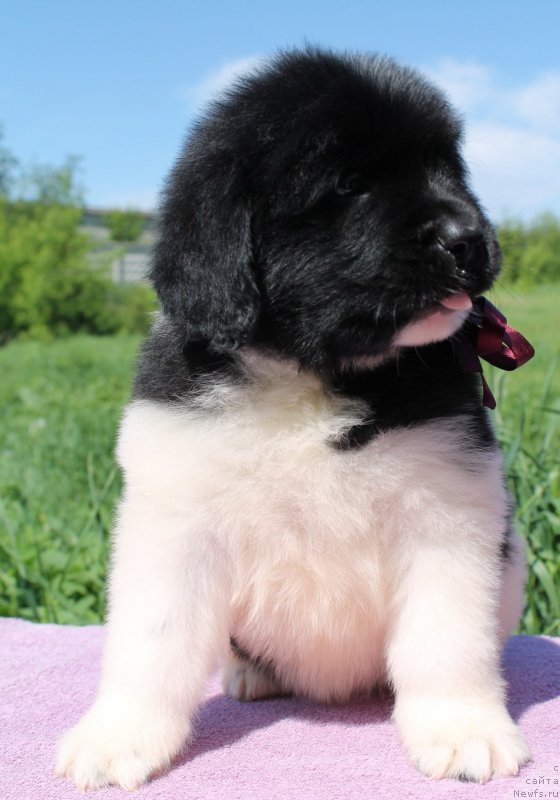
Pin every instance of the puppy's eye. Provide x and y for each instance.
(351, 185)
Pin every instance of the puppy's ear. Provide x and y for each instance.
(201, 266)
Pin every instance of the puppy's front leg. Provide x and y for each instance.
(169, 595)
(444, 652)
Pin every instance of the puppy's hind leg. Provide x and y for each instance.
(242, 679)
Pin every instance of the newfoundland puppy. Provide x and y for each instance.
(313, 493)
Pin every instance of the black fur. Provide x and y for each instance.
(507, 551)
(171, 369)
(319, 206)
(423, 383)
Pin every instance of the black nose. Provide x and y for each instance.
(465, 243)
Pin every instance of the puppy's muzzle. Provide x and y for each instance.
(465, 243)
(458, 249)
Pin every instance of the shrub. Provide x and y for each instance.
(125, 226)
(49, 287)
(129, 307)
(531, 251)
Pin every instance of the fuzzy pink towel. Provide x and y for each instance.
(269, 750)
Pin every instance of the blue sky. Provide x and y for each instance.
(118, 83)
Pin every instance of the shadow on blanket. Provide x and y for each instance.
(268, 750)
(531, 668)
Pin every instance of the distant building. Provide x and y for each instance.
(131, 260)
(95, 218)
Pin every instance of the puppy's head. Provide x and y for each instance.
(321, 210)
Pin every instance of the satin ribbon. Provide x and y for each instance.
(491, 338)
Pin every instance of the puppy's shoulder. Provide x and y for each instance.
(172, 370)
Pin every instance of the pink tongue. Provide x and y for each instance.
(457, 302)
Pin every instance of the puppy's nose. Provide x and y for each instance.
(464, 242)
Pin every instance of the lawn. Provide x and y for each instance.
(61, 403)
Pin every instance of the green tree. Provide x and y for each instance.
(541, 256)
(125, 226)
(531, 251)
(51, 185)
(511, 234)
(8, 166)
(46, 284)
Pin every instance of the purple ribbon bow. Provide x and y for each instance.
(491, 338)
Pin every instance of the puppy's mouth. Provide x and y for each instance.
(436, 323)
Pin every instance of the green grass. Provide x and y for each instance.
(61, 403)
(528, 423)
(537, 315)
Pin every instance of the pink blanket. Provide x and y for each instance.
(269, 750)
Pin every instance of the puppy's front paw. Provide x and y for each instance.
(455, 738)
(115, 748)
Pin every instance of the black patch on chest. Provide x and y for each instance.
(422, 384)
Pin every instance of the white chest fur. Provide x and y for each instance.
(320, 541)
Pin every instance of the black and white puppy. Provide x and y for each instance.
(313, 491)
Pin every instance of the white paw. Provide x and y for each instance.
(243, 681)
(455, 738)
(107, 748)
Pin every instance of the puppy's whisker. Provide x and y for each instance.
(395, 327)
(453, 342)
(398, 364)
(378, 313)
